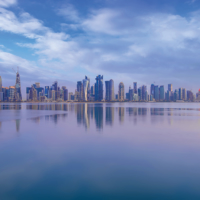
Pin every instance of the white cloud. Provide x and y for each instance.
(102, 21)
(69, 12)
(7, 3)
(8, 59)
(25, 24)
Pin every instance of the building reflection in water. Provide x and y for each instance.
(98, 113)
(87, 113)
(63, 107)
(54, 118)
(83, 114)
(109, 116)
(11, 107)
(17, 121)
(121, 114)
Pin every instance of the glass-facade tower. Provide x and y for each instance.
(99, 88)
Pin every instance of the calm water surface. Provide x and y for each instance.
(117, 151)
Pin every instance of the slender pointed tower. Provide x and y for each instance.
(0, 84)
(18, 94)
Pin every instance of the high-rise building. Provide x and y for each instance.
(127, 96)
(152, 90)
(198, 96)
(1, 92)
(184, 94)
(37, 85)
(176, 95)
(110, 96)
(80, 90)
(135, 88)
(5, 91)
(0, 84)
(162, 93)
(107, 87)
(92, 90)
(144, 89)
(70, 96)
(65, 94)
(190, 96)
(28, 89)
(55, 86)
(131, 92)
(46, 91)
(88, 89)
(85, 89)
(17, 94)
(12, 93)
(53, 94)
(121, 92)
(180, 93)
(139, 93)
(1, 96)
(170, 88)
(99, 88)
(33, 94)
(156, 92)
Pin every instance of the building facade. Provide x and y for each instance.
(109, 96)
(99, 88)
(121, 92)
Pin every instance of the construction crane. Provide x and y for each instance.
(16, 71)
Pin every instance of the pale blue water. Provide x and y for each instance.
(117, 151)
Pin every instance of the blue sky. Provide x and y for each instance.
(145, 41)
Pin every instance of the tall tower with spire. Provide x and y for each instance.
(0, 84)
(18, 94)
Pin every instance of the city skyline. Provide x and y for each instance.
(97, 92)
(152, 41)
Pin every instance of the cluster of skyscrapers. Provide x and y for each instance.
(55, 93)
(86, 92)
(12, 93)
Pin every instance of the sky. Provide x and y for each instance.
(144, 41)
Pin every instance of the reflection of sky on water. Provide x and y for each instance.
(143, 151)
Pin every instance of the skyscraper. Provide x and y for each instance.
(92, 93)
(99, 88)
(1, 92)
(109, 90)
(152, 91)
(0, 84)
(85, 89)
(37, 85)
(121, 92)
(144, 89)
(28, 89)
(46, 91)
(162, 93)
(135, 88)
(131, 92)
(17, 94)
(170, 87)
(88, 89)
(180, 93)
(55, 86)
(156, 92)
(176, 95)
(65, 94)
(184, 95)
(80, 90)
